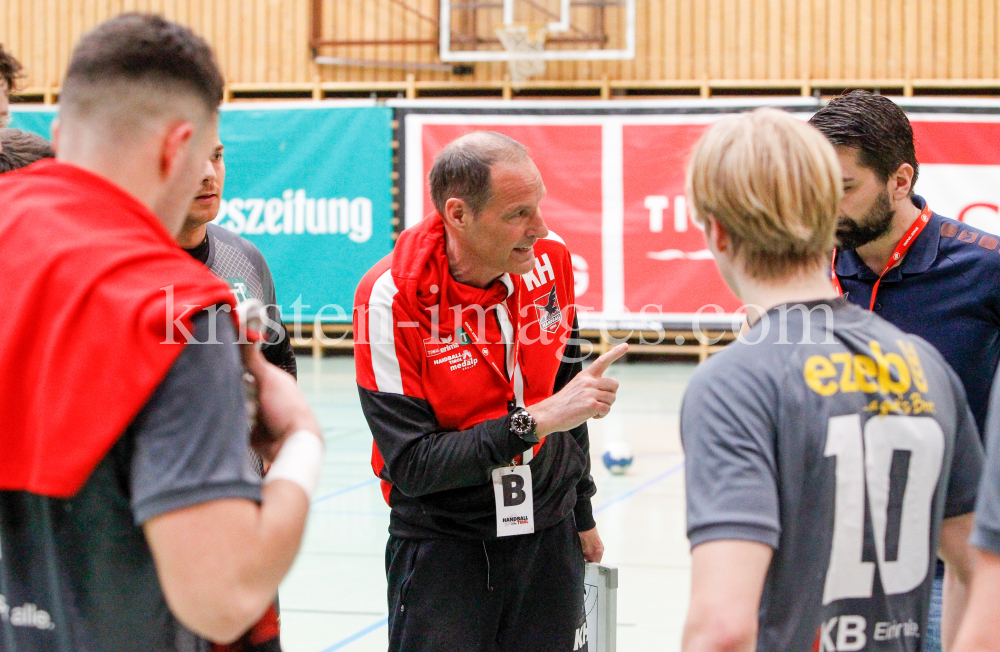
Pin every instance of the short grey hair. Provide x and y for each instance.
(462, 169)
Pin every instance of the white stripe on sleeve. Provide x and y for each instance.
(382, 336)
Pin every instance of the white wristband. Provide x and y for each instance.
(299, 460)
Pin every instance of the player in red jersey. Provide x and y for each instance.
(130, 515)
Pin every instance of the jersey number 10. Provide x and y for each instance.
(869, 464)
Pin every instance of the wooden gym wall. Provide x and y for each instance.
(749, 43)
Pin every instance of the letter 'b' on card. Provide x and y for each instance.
(515, 505)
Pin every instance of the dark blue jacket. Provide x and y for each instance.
(947, 291)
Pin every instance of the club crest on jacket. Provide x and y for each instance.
(549, 314)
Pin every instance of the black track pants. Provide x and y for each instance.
(515, 594)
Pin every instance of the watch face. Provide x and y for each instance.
(521, 423)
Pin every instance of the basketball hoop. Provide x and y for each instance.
(523, 39)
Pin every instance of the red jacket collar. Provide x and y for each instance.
(87, 336)
(421, 274)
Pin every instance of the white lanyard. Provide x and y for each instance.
(513, 365)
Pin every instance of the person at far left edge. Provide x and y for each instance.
(471, 380)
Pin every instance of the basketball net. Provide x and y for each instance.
(522, 38)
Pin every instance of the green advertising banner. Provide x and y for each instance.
(309, 184)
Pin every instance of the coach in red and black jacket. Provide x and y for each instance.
(469, 371)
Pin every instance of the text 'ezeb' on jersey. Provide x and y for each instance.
(840, 442)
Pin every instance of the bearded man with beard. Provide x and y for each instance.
(928, 275)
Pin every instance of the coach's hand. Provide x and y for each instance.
(588, 396)
(283, 408)
(593, 547)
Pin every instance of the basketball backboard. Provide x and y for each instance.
(589, 30)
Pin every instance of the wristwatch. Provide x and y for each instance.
(523, 425)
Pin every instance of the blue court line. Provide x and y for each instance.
(643, 486)
(345, 490)
(358, 634)
(374, 626)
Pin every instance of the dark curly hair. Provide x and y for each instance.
(10, 70)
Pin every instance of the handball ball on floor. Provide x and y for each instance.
(617, 457)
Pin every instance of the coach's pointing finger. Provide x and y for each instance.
(589, 395)
(600, 365)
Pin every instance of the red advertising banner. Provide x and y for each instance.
(569, 159)
(668, 269)
(615, 195)
(959, 159)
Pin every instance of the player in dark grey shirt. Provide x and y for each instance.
(843, 457)
(241, 265)
(980, 630)
(234, 259)
(156, 467)
(827, 451)
(128, 503)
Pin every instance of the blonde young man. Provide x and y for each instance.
(828, 453)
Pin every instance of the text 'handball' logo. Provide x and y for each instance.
(549, 314)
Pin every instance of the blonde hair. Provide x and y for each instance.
(774, 184)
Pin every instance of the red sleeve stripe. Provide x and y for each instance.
(382, 336)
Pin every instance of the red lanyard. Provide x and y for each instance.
(515, 325)
(897, 255)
